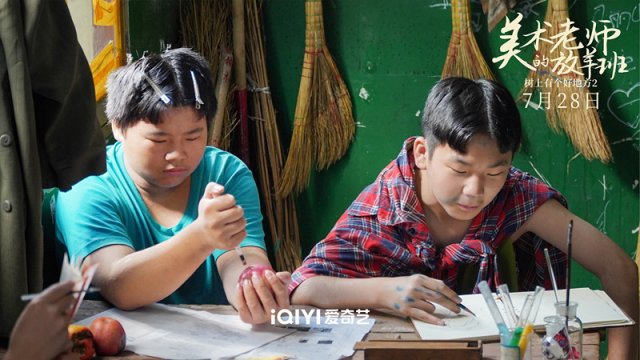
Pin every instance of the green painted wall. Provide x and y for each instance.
(395, 50)
(151, 25)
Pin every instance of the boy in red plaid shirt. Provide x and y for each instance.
(447, 202)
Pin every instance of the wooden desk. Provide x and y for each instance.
(387, 328)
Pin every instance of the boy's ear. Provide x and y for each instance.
(117, 133)
(420, 153)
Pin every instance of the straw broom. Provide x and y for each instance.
(464, 57)
(205, 27)
(231, 119)
(334, 126)
(581, 124)
(323, 120)
(279, 212)
(300, 159)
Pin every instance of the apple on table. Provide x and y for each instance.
(108, 336)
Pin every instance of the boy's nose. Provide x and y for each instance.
(176, 154)
(474, 186)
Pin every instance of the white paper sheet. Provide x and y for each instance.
(326, 341)
(462, 326)
(177, 333)
(595, 309)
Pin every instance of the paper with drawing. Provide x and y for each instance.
(178, 333)
(175, 333)
(333, 341)
(595, 309)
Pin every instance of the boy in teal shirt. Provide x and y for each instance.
(162, 218)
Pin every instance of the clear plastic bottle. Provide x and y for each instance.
(568, 314)
(554, 343)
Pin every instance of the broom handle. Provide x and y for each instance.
(464, 15)
(455, 16)
(314, 25)
(559, 5)
(241, 76)
(240, 69)
(222, 89)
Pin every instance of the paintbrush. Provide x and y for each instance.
(462, 307)
(569, 236)
(241, 255)
(29, 297)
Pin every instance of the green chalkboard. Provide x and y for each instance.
(391, 53)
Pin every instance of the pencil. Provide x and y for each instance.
(29, 297)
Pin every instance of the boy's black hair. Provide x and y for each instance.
(132, 98)
(458, 108)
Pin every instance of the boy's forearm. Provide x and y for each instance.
(147, 276)
(623, 341)
(332, 292)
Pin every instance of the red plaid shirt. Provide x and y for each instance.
(384, 234)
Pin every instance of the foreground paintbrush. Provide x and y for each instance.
(90, 290)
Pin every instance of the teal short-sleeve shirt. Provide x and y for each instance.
(108, 210)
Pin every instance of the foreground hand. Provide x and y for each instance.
(41, 329)
(258, 296)
(414, 296)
